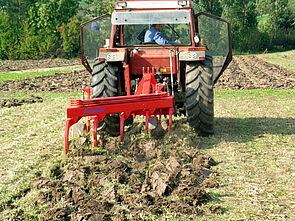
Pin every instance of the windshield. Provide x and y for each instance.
(151, 17)
(130, 35)
(131, 26)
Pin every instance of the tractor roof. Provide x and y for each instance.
(152, 4)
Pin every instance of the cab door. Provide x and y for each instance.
(216, 33)
(95, 34)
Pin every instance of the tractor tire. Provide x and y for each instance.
(104, 83)
(200, 96)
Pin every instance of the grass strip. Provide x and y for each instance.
(17, 75)
(254, 93)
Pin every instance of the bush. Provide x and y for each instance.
(283, 40)
(70, 35)
(5, 39)
(251, 40)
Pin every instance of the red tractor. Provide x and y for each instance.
(114, 51)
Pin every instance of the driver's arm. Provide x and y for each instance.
(160, 40)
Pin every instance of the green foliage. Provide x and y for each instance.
(283, 40)
(52, 14)
(4, 35)
(40, 28)
(70, 35)
(28, 46)
(96, 8)
(251, 40)
(280, 16)
(29, 27)
(46, 18)
(242, 14)
(213, 7)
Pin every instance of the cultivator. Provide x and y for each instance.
(148, 100)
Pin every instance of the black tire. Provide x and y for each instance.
(104, 83)
(200, 96)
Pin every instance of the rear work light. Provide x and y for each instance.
(121, 4)
(182, 3)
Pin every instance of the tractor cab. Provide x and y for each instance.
(108, 36)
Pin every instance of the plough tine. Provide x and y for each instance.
(170, 120)
(95, 131)
(69, 123)
(122, 127)
(146, 122)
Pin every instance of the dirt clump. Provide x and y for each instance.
(12, 102)
(127, 184)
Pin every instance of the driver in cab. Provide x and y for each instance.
(154, 35)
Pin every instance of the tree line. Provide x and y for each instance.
(32, 29)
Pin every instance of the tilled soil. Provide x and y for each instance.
(11, 102)
(127, 182)
(244, 72)
(20, 65)
(250, 72)
(64, 82)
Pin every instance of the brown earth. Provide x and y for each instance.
(250, 72)
(12, 102)
(130, 182)
(20, 65)
(245, 72)
(59, 82)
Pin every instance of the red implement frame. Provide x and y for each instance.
(142, 103)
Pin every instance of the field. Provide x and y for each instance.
(245, 171)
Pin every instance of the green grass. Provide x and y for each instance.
(285, 59)
(13, 76)
(254, 145)
(30, 137)
(7, 76)
(256, 93)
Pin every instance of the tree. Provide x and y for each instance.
(280, 15)
(4, 35)
(46, 17)
(243, 13)
(52, 13)
(243, 17)
(95, 8)
(213, 7)
(70, 34)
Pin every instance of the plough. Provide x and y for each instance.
(148, 100)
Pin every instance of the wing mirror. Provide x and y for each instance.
(197, 38)
(95, 26)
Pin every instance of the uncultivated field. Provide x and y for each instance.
(250, 157)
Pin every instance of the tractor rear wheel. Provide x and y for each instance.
(199, 96)
(104, 83)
